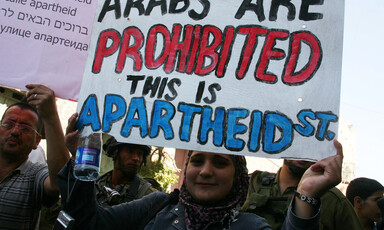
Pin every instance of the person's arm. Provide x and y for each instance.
(77, 198)
(293, 221)
(79, 201)
(318, 179)
(43, 99)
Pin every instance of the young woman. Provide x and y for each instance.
(214, 188)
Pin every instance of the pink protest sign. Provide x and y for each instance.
(45, 42)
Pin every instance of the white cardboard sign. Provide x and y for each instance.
(239, 77)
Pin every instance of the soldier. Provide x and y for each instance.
(123, 184)
(269, 196)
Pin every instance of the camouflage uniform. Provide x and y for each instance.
(265, 199)
(141, 187)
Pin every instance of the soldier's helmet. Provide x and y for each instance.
(112, 148)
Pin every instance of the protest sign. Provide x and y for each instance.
(45, 42)
(258, 78)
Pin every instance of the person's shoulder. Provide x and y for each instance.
(257, 172)
(262, 174)
(334, 193)
(250, 221)
(154, 184)
(262, 178)
(334, 198)
(29, 167)
(105, 175)
(148, 186)
(102, 180)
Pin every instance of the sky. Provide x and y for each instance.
(362, 91)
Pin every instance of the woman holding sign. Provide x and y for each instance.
(214, 188)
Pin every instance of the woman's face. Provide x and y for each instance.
(209, 176)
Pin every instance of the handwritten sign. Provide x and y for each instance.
(45, 42)
(259, 78)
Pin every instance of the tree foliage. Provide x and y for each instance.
(158, 169)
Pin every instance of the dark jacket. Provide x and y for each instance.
(83, 207)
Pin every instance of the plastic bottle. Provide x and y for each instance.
(87, 164)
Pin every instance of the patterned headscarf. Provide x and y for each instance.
(199, 216)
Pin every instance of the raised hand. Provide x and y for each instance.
(43, 99)
(319, 178)
(71, 134)
(322, 175)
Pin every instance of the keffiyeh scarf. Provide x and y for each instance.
(197, 216)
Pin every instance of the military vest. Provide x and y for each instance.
(122, 193)
(260, 199)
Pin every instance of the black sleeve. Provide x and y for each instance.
(296, 223)
(83, 207)
(77, 197)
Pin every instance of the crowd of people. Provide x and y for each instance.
(217, 191)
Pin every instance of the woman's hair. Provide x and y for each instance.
(198, 216)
